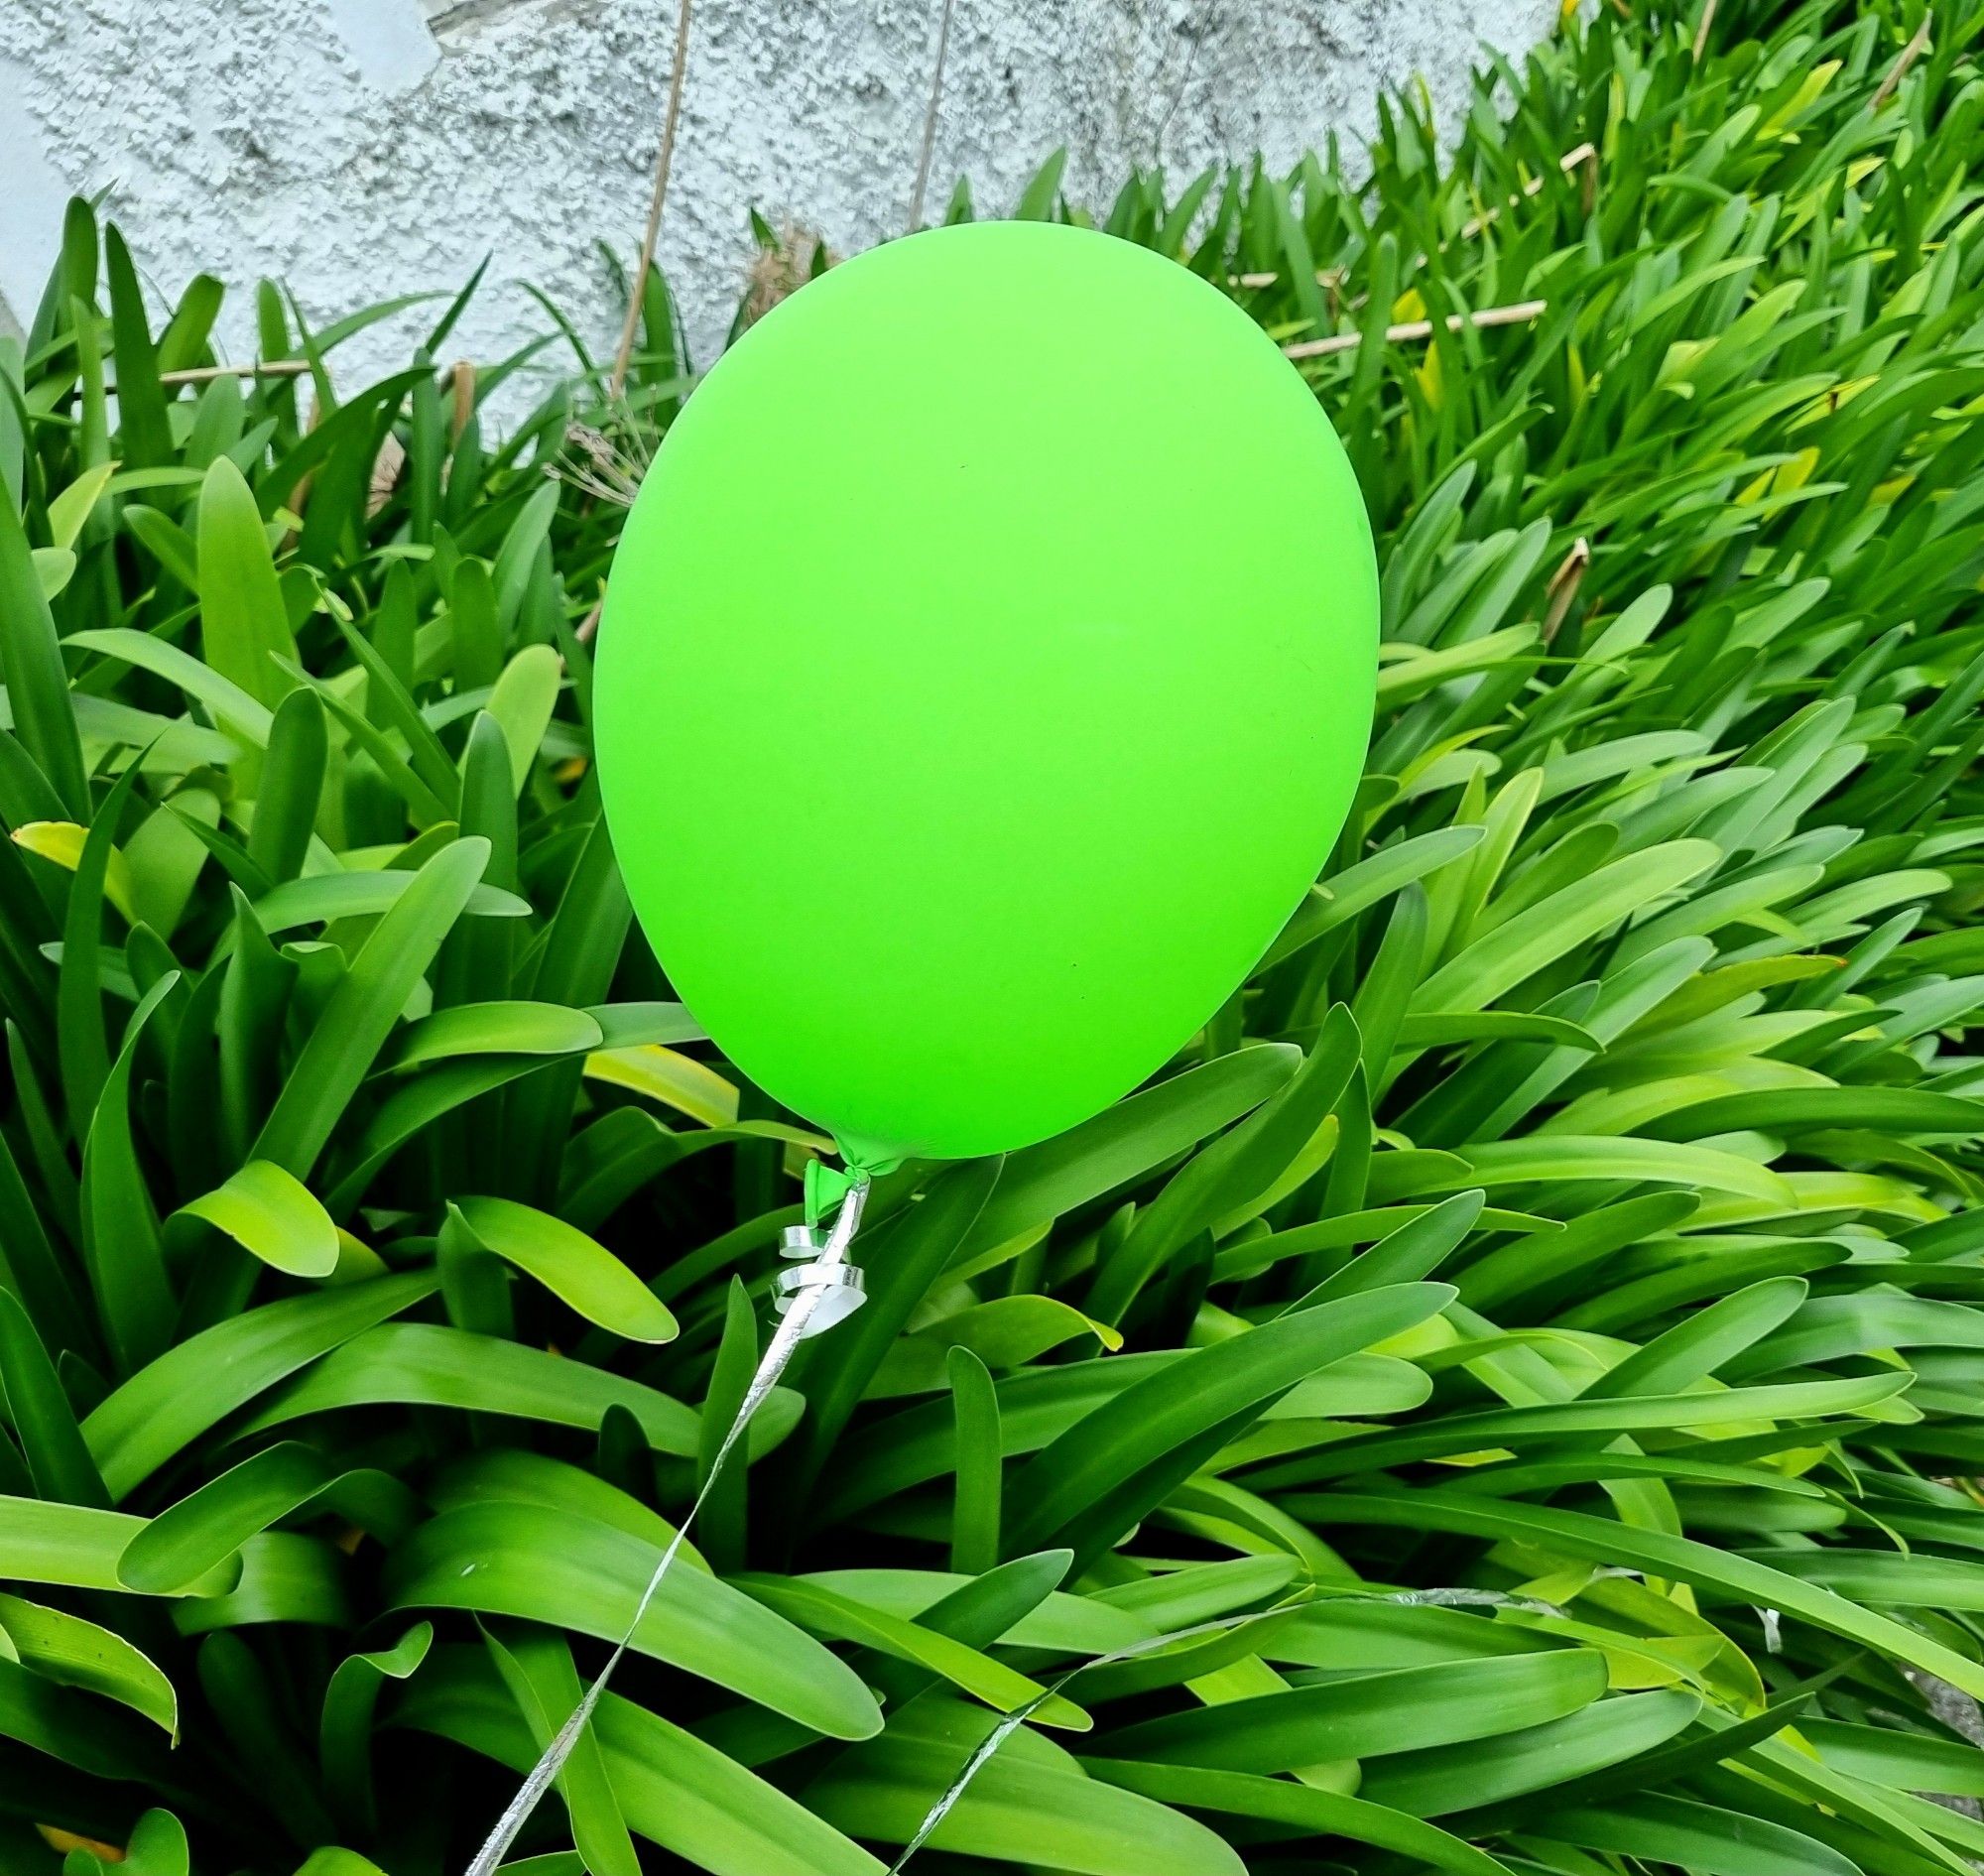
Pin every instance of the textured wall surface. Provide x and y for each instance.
(364, 148)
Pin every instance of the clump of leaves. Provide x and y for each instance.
(1530, 1339)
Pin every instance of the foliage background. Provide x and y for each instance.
(1535, 1325)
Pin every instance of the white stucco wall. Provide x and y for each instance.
(365, 148)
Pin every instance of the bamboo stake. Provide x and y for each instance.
(207, 374)
(929, 119)
(1333, 277)
(461, 388)
(1585, 152)
(671, 118)
(1521, 314)
(1899, 71)
(1702, 30)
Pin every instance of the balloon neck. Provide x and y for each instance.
(873, 1157)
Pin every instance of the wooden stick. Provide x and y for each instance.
(1585, 152)
(673, 117)
(1520, 314)
(207, 374)
(461, 388)
(1899, 71)
(929, 120)
(1325, 277)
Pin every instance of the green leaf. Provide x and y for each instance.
(1554, 1156)
(79, 1032)
(31, 662)
(553, 1567)
(205, 1528)
(1438, 1028)
(120, 1228)
(536, 1667)
(334, 1860)
(1696, 1837)
(1005, 1332)
(368, 1002)
(1029, 1802)
(1158, 1416)
(43, 1420)
(71, 508)
(841, 1618)
(1036, 201)
(671, 1787)
(1579, 1534)
(272, 1216)
(1235, 1171)
(200, 1381)
(292, 788)
(320, 898)
(1798, 1110)
(1309, 1809)
(1125, 1141)
(65, 1649)
(76, 1545)
(1368, 881)
(975, 1518)
(243, 626)
(1365, 1715)
(141, 401)
(521, 703)
(572, 1266)
(1516, 949)
(498, 1029)
(431, 1365)
(232, 706)
(344, 1738)
(1447, 1778)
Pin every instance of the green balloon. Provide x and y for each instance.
(985, 673)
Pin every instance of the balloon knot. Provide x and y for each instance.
(826, 1187)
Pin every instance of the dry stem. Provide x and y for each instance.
(637, 290)
(1899, 71)
(1702, 30)
(1521, 314)
(929, 120)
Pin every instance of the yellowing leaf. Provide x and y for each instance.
(272, 1216)
(62, 841)
(1796, 472)
(1802, 100)
(676, 1081)
(65, 1841)
(71, 509)
(1428, 377)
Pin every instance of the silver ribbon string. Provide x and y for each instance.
(823, 1290)
(1306, 1598)
(1011, 1723)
